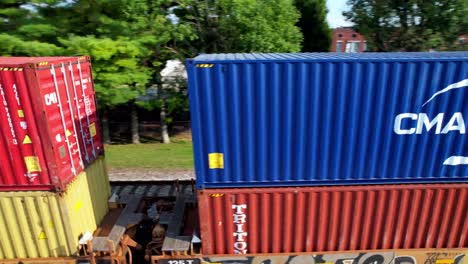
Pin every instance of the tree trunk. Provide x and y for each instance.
(134, 124)
(105, 127)
(164, 132)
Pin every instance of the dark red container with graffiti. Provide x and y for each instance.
(48, 121)
(312, 219)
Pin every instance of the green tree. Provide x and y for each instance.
(119, 77)
(139, 33)
(170, 100)
(24, 31)
(314, 26)
(409, 25)
(150, 23)
(242, 25)
(129, 40)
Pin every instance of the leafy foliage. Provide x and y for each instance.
(118, 75)
(25, 31)
(15, 45)
(175, 101)
(409, 25)
(129, 40)
(314, 26)
(242, 25)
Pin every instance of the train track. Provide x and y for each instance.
(152, 188)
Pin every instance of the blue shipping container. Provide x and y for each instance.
(329, 118)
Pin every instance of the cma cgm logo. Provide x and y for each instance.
(442, 123)
(422, 123)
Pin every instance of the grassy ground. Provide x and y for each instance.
(174, 156)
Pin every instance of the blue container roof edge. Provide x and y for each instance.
(330, 56)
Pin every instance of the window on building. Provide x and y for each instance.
(339, 46)
(354, 35)
(340, 35)
(352, 46)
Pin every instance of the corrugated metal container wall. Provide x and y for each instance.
(312, 119)
(308, 219)
(46, 224)
(49, 122)
(22, 159)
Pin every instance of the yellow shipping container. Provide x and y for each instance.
(46, 224)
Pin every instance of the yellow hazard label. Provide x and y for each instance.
(205, 65)
(20, 113)
(11, 69)
(42, 235)
(217, 195)
(92, 129)
(216, 160)
(78, 205)
(27, 140)
(32, 163)
(68, 133)
(445, 261)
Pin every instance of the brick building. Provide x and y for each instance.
(345, 39)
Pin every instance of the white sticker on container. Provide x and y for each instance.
(24, 125)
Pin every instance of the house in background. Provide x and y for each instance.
(345, 39)
(462, 41)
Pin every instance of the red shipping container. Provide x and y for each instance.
(48, 121)
(308, 219)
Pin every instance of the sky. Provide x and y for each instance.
(334, 16)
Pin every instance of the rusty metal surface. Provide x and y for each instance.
(414, 256)
(305, 219)
(70, 260)
(129, 217)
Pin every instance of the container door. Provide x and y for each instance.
(85, 107)
(54, 84)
